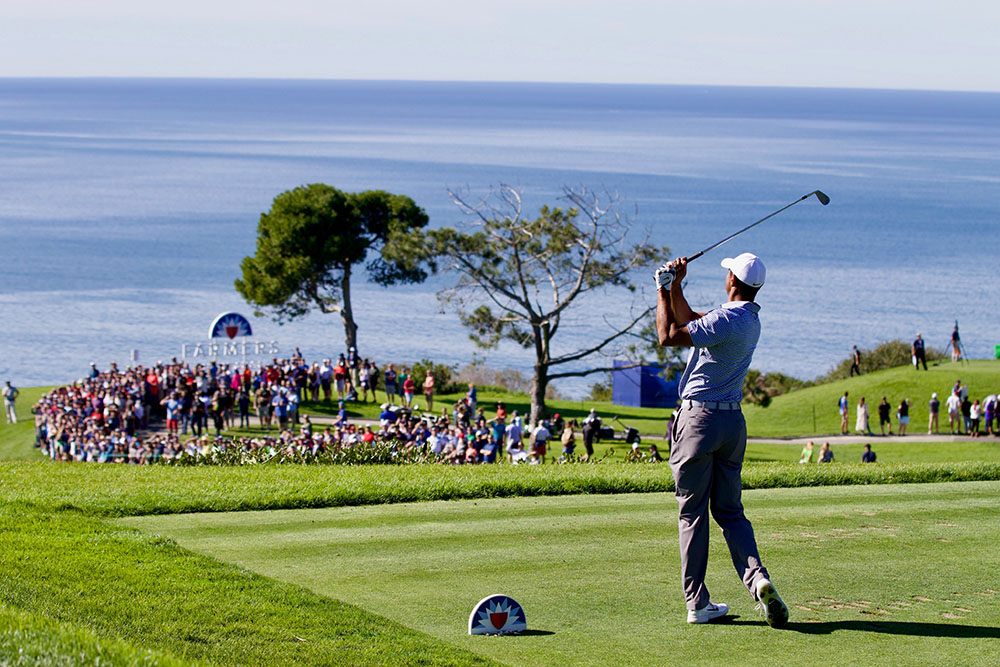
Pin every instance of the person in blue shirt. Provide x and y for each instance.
(387, 416)
(471, 398)
(710, 433)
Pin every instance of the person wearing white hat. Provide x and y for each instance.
(933, 409)
(709, 433)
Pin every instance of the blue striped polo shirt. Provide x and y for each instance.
(724, 340)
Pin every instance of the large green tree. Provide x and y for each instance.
(521, 279)
(315, 237)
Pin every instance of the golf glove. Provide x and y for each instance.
(664, 277)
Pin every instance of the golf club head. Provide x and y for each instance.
(823, 199)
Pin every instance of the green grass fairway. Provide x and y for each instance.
(873, 575)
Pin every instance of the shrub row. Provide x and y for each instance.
(140, 490)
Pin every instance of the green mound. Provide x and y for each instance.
(814, 410)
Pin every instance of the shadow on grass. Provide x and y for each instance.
(531, 633)
(950, 630)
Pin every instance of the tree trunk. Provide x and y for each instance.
(539, 383)
(346, 312)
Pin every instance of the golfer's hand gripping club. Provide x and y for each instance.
(664, 277)
(669, 272)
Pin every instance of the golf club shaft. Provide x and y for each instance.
(823, 199)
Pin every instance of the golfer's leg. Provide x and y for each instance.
(727, 504)
(692, 469)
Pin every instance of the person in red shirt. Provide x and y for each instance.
(408, 388)
(153, 380)
(340, 377)
(368, 436)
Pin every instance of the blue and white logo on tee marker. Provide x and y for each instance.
(497, 614)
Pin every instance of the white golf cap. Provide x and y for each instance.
(748, 268)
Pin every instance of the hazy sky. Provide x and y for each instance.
(926, 44)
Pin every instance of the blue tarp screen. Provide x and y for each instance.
(642, 387)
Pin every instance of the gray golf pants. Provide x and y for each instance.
(706, 458)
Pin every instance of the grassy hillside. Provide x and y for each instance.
(793, 414)
(17, 440)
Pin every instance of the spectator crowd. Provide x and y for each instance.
(965, 415)
(107, 416)
(174, 410)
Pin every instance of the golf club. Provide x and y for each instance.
(665, 278)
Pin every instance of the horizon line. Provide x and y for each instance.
(113, 77)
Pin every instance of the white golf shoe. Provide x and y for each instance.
(707, 613)
(770, 604)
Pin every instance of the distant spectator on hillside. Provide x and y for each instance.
(387, 416)
(429, 391)
(807, 453)
(243, 401)
(364, 381)
(340, 377)
(933, 407)
(408, 388)
(10, 393)
(326, 379)
(956, 344)
(390, 384)
(989, 412)
(568, 438)
(883, 415)
(514, 438)
(967, 414)
(919, 354)
(903, 415)
(354, 367)
(856, 362)
(842, 406)
(861, 423)
(401, 378)
(591, 428)
(470, 397)
(954, 405)
(975, 414)
(868, 456)
(825, 454)
(963, 390)
(539, 442)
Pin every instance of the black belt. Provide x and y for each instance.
(710, 405)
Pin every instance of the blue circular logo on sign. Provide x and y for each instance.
(230, 325)
(497, 615)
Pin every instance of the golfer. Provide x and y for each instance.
(710, 435)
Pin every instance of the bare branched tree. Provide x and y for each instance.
(520, 278)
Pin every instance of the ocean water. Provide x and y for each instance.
(127, 205)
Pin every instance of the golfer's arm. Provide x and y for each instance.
(670, 329)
